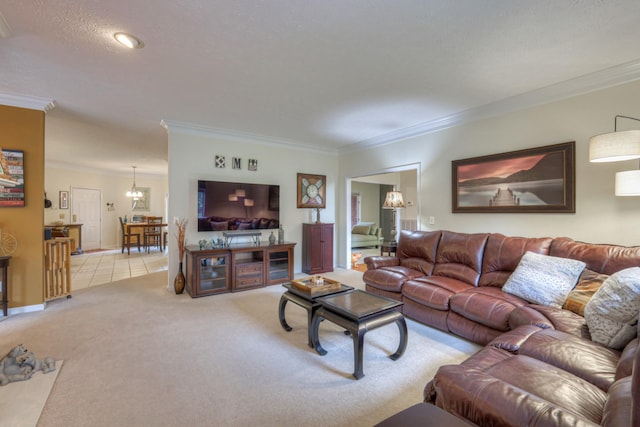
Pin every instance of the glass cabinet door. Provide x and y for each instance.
(212, 273)
(279, 266)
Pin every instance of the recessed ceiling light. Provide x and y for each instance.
(127, 40)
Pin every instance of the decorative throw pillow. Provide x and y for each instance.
(589, 282)
(612, 313)
(219, 226)
(360, 229)
(543, 279)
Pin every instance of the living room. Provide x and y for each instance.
(576, 107)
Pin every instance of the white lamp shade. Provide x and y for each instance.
(393, 200)
(233, 198)
(241, 193)
(628, 183)
(248, 202)
(615, 147)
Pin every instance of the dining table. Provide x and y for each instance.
(141, 227)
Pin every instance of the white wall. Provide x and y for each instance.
(369, 201)
(600, 216)
(192, 156)
(114, 188)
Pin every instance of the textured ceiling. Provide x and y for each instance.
(326, 74)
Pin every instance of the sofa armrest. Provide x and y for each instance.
(487, 400)
(522, 316)
(374, 262)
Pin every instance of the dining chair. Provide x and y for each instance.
(127, 237)
(153, 233)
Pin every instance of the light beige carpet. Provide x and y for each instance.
(138, 355)
(21, 402)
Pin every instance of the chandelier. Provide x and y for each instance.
(134, 192)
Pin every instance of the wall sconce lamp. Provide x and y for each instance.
(616, 147)
(395, 201)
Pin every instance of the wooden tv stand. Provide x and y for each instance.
(237, 267)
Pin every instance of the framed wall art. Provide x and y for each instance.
(142, 204)
(11, 178)
(535, 180)
(63, 200)
(311, 191)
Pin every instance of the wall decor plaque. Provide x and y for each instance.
(311, 191)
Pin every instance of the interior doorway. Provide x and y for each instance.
(405, 178)
(86, 209)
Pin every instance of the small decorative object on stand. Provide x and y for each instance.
(272, 239)
(179, 281)
(317, 215)
(281, 235)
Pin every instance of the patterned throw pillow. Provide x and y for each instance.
(360, 229)
(589, 282)
(543, 279)
(612, 313)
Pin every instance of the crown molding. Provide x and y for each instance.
(599, 80)
(199, 130)
(27, 101)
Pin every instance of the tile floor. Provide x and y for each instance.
(97, 268)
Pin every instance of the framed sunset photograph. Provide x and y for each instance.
(535, 180)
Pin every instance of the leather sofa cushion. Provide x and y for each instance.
(583, 358)
(459, 256)
(513, 339)
(516, 390)
(625, 365)
(487, 305)
(617, 409)
(374, 262)
(605, 259)
(390, 278)
(434, 292)
(418, 244)
(502, 255)
(420, 264)
(550, 317)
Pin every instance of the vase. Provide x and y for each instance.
(281, 235)
(178, 282)
(272, 239)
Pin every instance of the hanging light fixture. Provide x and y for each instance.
(628, 183)
(616, 146)
(134, 193)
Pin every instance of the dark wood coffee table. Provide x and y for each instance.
(306, 301)
(358, 312)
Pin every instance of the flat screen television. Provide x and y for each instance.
(226, 206)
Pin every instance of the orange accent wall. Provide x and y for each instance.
(23, 129)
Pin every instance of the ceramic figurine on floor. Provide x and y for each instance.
(20, 364)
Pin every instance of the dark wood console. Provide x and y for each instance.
(237, 267)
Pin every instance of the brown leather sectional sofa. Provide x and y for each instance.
(539, 366)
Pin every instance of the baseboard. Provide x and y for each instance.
(25, 309)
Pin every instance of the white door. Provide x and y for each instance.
(86, 210)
